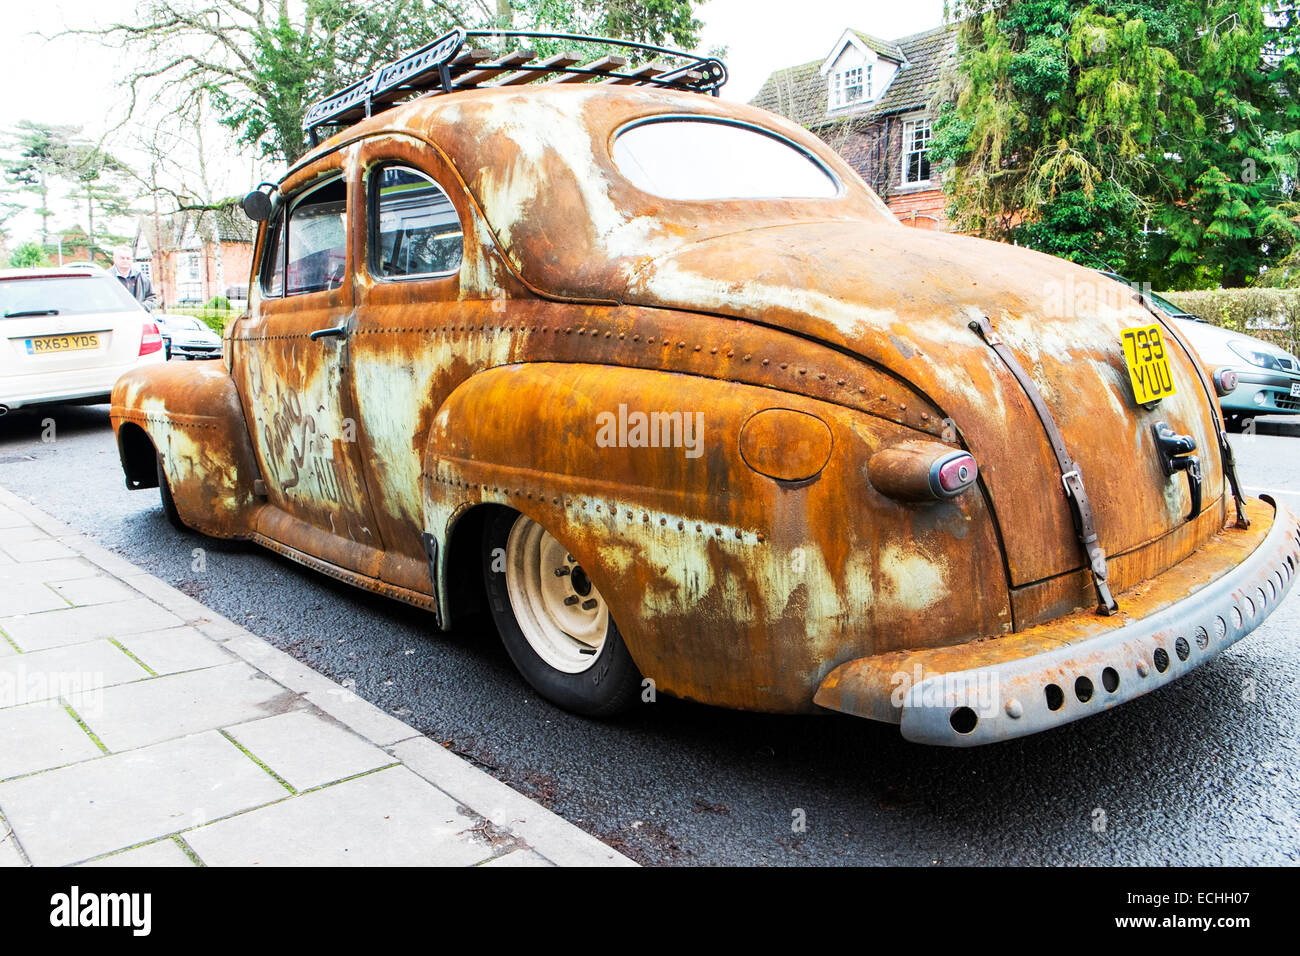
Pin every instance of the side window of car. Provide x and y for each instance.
(272, 273)
(414, 229)
(318, 239)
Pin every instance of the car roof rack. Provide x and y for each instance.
(446, 66)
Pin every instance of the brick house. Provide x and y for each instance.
(869, 100)
(179, 252)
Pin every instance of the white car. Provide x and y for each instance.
(67, 334)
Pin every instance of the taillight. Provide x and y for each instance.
(922, 471)
(150, 339)
(953, 475)
(1225, 380)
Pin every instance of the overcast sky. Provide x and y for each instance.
(73, 80)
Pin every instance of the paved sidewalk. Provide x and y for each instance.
(139, 727)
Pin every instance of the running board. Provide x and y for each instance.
(418, 599)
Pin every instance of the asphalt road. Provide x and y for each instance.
(1206, 771)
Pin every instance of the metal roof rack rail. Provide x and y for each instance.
(445, 66)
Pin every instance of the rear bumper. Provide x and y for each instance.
(68, 385)
(1059, 672)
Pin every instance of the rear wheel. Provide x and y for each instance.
(168, 502)
(554, 623)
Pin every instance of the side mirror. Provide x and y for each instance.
(256, 205)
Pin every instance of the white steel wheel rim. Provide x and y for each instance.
(562, 615)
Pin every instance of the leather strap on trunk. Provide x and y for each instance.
(1071, 476)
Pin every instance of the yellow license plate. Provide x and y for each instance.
(1148, 365)
(46, 344)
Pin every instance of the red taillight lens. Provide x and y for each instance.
(150, 339)
(954, 475)
(921, 471)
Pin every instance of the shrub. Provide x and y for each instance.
(28, 255)
(217, 302)
(1269, 314)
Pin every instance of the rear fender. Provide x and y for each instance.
(191, 417)
(770, 582)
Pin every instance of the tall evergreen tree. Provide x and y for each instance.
(1155, 137)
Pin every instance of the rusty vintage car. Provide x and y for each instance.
(662, 380)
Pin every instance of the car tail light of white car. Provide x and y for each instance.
(150, 339)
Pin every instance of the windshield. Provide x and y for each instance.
(65, 295)
(690, 158)
(1166, 306)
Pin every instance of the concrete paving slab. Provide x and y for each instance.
(29, 598)
(387, 818)
(173, 771)
(520, 858)
(176, 649)
(361, 715)
(97, 590)
(161, 853)
(554, 836)
(64, 672)
(149, 711)
(83, 811)
(57, 569)
(19, 534)
(308, 750)
(35, 632)
(40, 736)
(37, 550)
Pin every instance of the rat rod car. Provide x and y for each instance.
(663, 381)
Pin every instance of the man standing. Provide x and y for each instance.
(136, 282)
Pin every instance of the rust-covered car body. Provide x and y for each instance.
(787, 561)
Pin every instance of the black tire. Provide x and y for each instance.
(612, 683)
(168, 502)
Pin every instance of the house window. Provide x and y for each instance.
(916, 151)
(850, 86)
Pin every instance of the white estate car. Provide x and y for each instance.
(67, 334)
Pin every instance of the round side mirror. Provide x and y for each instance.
(256, 205)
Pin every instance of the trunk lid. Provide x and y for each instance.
(902, 299)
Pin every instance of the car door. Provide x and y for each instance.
(411, 346)
(296, 387)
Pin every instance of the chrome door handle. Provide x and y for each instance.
(337, 330)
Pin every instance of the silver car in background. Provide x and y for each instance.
(1268, 377)
(188, 337)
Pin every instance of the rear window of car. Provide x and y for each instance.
(695, 158)
(64, 295)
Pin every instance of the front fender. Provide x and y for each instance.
(192, 415)
(728, 586)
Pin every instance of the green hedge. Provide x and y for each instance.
(1269, 314)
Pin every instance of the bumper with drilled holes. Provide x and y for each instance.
(1056, 673)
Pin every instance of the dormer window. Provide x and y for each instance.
(850, 86)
